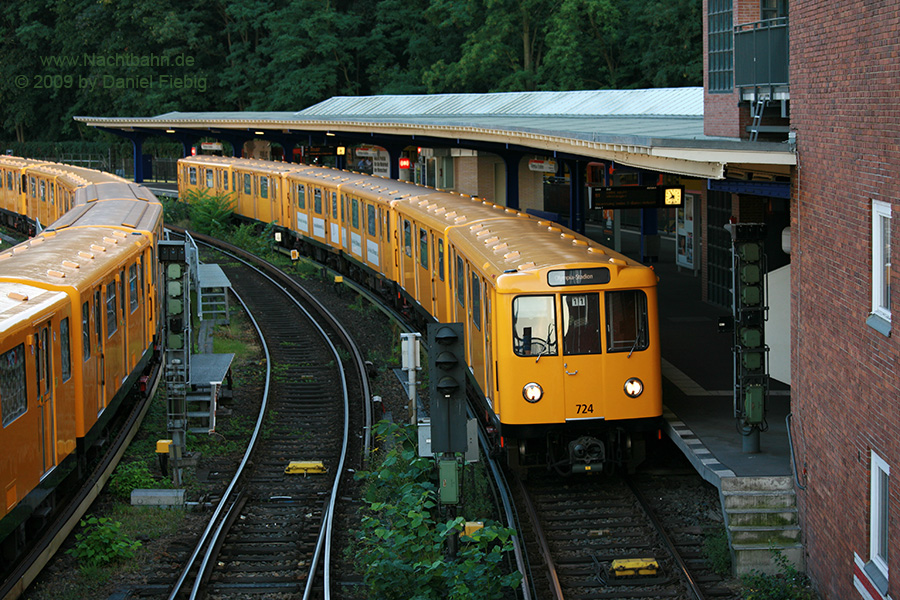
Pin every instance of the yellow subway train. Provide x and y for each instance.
(561, 333)
(78, 326)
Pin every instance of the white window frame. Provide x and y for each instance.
(880, 211)
(878, 514)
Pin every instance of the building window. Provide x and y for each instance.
(878, 523)
(721, 46)
(880, 319)
(773, 9)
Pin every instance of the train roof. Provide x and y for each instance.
(21, 303)
(77, 173)
(124, 204)
(70, 257)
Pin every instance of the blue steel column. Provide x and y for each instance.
(576, 195)
(137, 142)
(511, 160)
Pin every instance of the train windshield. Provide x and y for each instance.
(534, 326)
(626, 321)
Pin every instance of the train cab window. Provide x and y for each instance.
(423, 248)
(301, 196)
(534, 326)
(334, 205)
(65, 349)
(626, 321)
(248, 185)
(581, 323)
(133, 287)
(460, 281)
(476, 301)
(263, 187)
(370, 214)
(317, 201)
(407, 237)
(111, 322)
(440, 258)
(209, 178)
(13, 392)
(192, 175)
(354, 213)
(86, 330)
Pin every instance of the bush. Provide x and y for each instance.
(101, 542)
(131, 476)
(717, 552)
(210, 215)
(401, 546)
(788, 584)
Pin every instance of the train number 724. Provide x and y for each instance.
(581, 409)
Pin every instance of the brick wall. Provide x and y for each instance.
(846, 376)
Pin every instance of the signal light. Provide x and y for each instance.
(447, 386)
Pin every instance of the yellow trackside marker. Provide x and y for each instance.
(339, 279)
(629, 567)
(162, 446)
(313, 467)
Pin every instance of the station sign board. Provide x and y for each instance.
(542, 165)
(636, 196)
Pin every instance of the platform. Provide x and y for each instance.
(698, 374)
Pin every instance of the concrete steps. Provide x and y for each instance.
(761, 515)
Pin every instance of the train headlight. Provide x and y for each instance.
(532, 392)
(634, 387)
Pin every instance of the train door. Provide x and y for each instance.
(476, 326)
(100, 374)
(318, 219)
(488, 343)
(302, 224)
(407, 261)
(355, 229)
(123, 321)
(440, 281)
(43, 363)
(372, 252)
(581, 327)
(335, 221)
(345, 217)
(423, 271)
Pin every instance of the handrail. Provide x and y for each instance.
(787, 423)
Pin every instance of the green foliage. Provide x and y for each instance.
(175, 211)
(401, 544)
(788, 584)
(210, 215)
(101, 542)
(134, 475)
(717, 551)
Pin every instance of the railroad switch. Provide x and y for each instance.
(310, 467)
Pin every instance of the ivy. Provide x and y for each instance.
(401, 545)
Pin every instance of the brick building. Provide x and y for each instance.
(843, 112)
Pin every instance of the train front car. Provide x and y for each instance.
(575, 344)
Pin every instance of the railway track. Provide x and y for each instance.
(270, 534)
(580, 528)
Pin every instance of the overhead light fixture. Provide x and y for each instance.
(170, 131)
(259, 132)
(329, 133)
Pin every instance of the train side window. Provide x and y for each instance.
(263, 187)
(334, 205)
(86, 330)
(626, 321)
(234, 181)
(460, 281)
(423, 248)
(581, 323)
(476, 300)
(317, 201)
(33, 187)
(248, 186)
(225, 180)
(192, 175)
(122, 292)
(534, 326)
(13, 391)
(111, 323)
(370, 212)
(209, 178)
(65, 349)
(440, 258)
(43, 191)
(407, 237)
(354, 213)
(301, 196)
(9, 180)
(52, 194)
(133, 287)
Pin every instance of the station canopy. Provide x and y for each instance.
(655, 129)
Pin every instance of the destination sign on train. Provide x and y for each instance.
(636, 196)
(578, 276)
